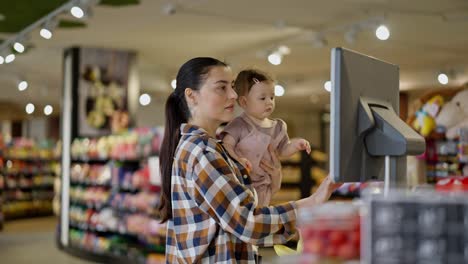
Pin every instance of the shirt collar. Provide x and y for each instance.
(193, 130)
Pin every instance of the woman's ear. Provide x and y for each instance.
(243, 101)
(190, 96)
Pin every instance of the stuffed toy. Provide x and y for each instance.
(454, 114)
(425, 117)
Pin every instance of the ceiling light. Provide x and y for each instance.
(10, 58)
(45, 33)
(284, 50)
(48, 109)
(443, 78)
(22, 85)
(77, 12)
(382, 33)
(279, 90)
(49, 26)
(18, 47)
(30, 108)
(174, 84)
(327, 86)
(2, 60)
(145, 99)
(275, 58)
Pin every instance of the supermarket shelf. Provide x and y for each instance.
(103, 161)
(29, 173)
(32, 187)
(97, 207)
(105, 232)
(86, 160)
(91, 184)
(27, 214)
(31, 160)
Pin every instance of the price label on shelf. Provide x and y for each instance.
(154, 171)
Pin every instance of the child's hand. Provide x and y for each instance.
(246, 163)
(301, 144)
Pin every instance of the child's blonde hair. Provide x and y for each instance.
(247, 78)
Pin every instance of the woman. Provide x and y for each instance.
(207, 197)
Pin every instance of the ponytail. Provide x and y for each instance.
(191, 74)
(174, 118)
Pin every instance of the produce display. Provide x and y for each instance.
(331, 231)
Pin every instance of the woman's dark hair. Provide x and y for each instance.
(191, 75)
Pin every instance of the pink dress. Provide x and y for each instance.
(252, 143)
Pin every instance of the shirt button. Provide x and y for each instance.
(245, 176)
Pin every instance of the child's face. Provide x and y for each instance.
(260, 101)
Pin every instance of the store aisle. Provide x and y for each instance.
(32, 241)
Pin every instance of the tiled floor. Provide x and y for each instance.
(33, 241)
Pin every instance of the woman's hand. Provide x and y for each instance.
(321, 195)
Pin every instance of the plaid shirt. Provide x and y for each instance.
(214, 214)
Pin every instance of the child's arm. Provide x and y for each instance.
(295, 145)
(288, 147)
(229, 143)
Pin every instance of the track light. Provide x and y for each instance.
(48, 109)
(443, 78)
(22, 85)
(174, 84)
(30, 108)
(327, 86)
(77, 12)
(275, 58)
(45, 33)
(10, 58)
(279, 90)
(49, 26)
(145, 99)
(78, 8)
(18, 47)
(382, 32)
(284, 50)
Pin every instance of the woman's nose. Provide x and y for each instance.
(232, 94)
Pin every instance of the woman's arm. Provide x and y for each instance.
(322, 194)
(218, 193)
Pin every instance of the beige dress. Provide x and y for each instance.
(252, 143)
